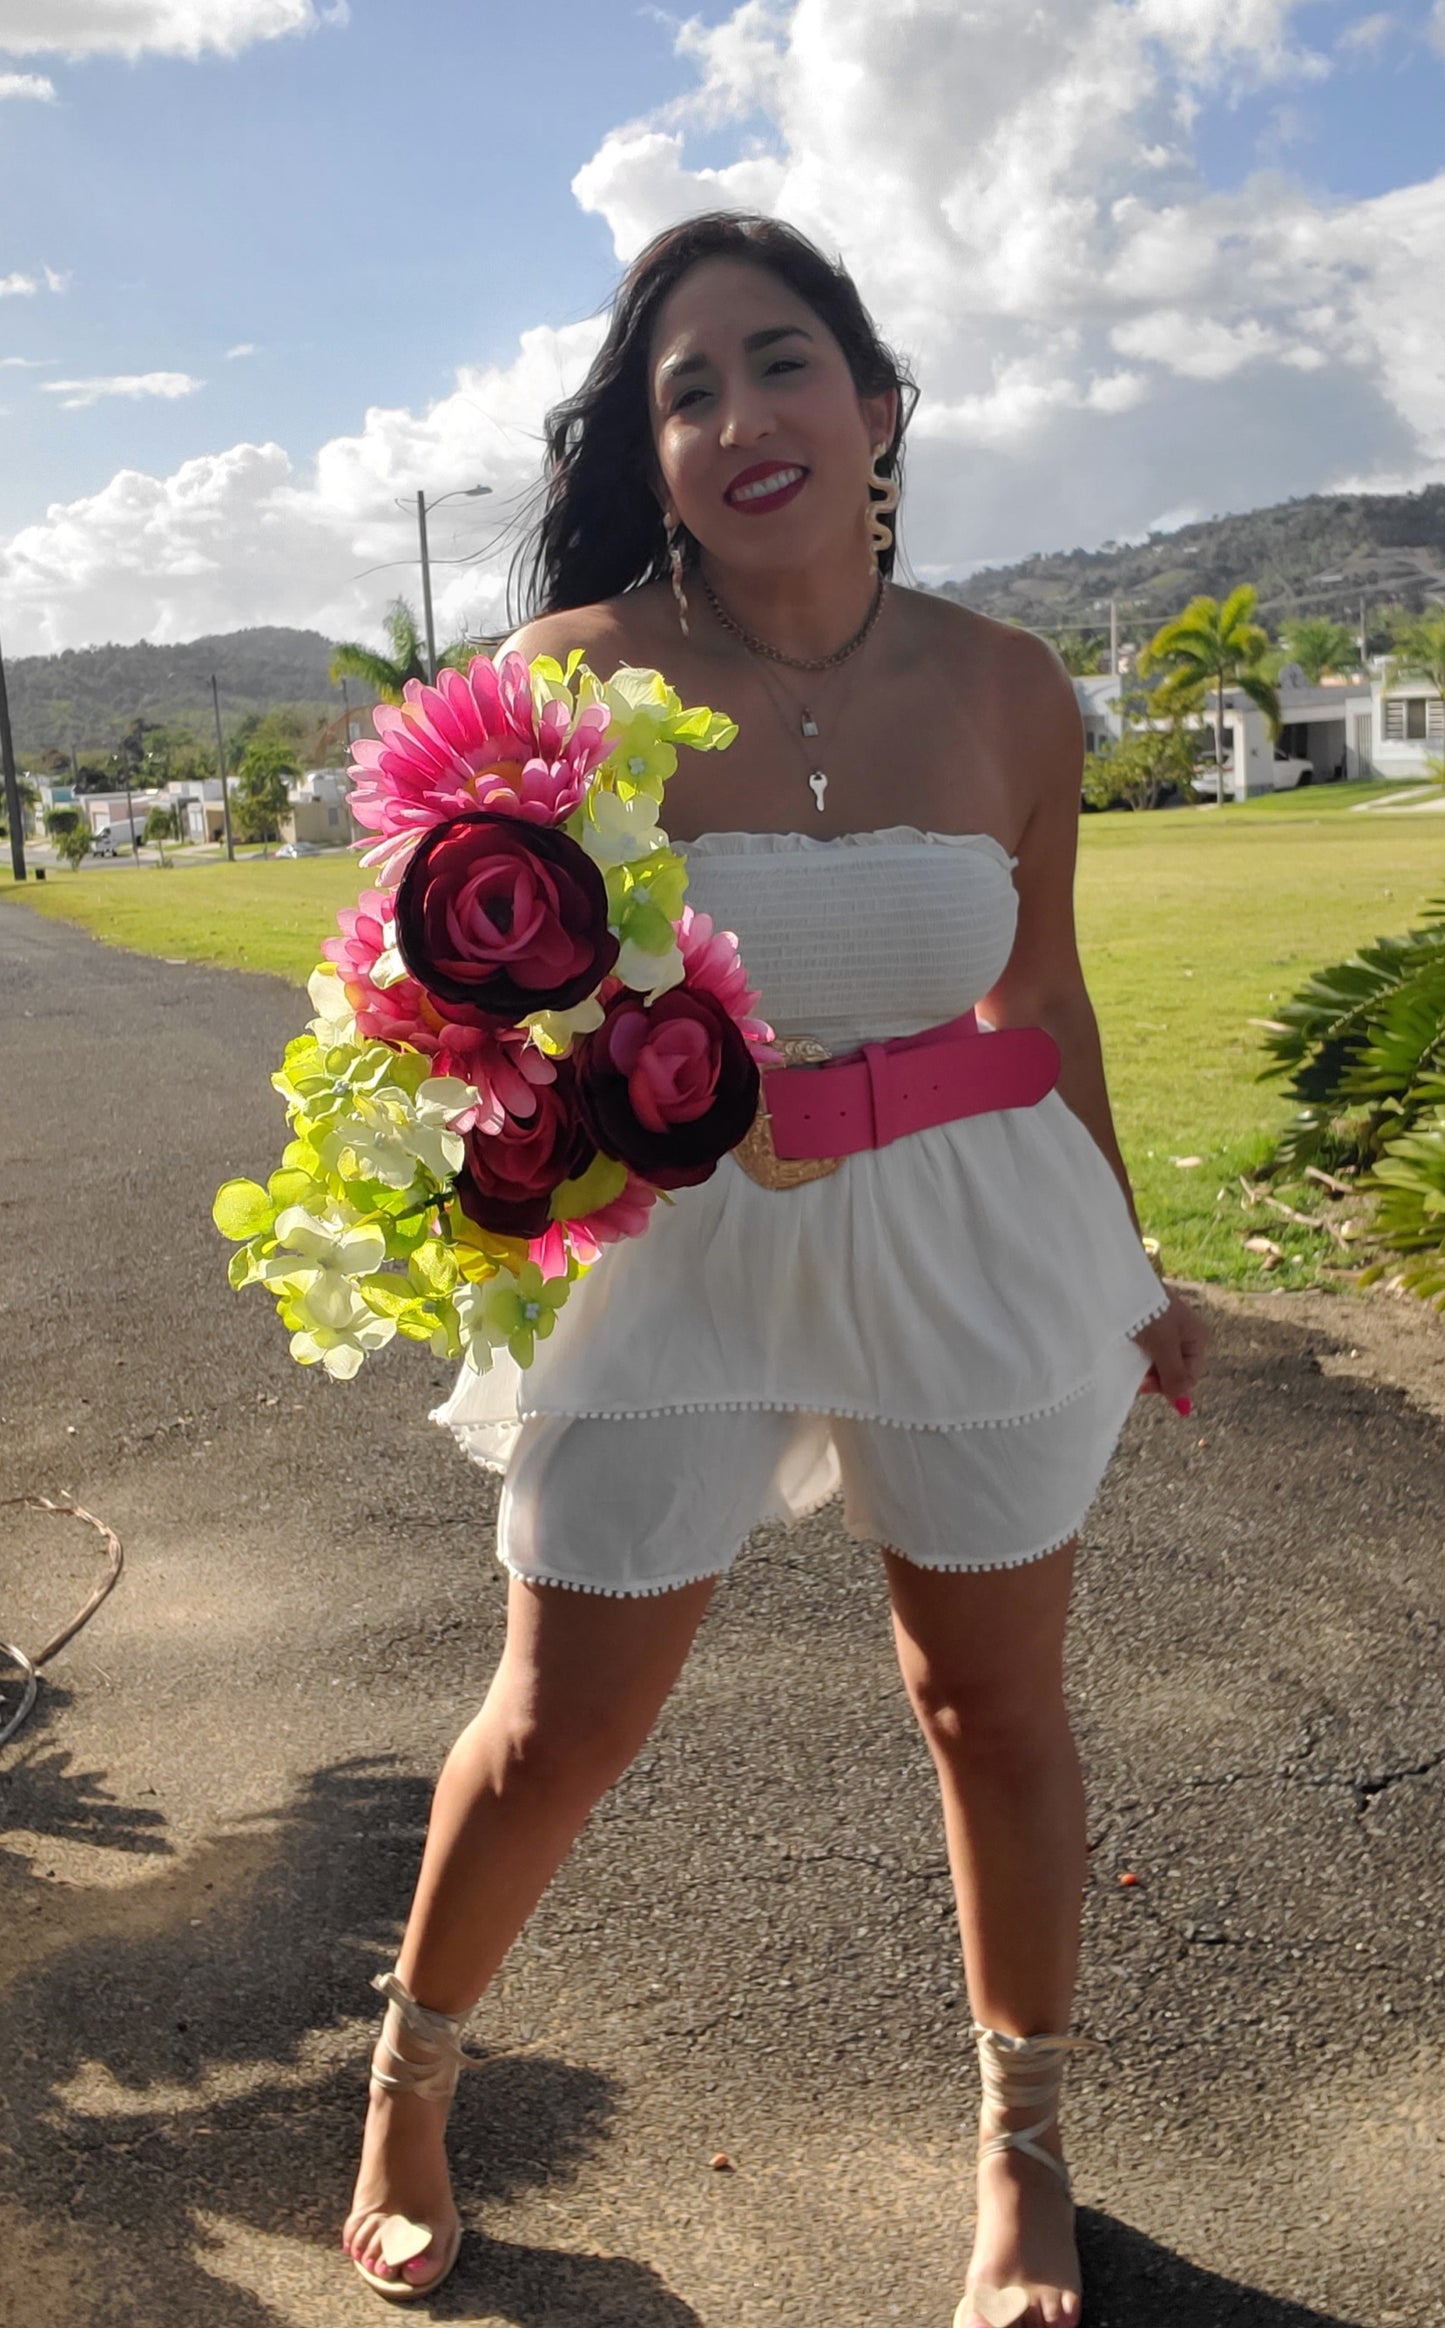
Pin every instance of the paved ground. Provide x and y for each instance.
(214, 1819)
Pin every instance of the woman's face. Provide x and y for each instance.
(763, 442)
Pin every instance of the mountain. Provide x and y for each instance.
(88, 696)
(1320, 556)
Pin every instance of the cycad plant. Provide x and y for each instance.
(1363, 1044)
(1213, 644)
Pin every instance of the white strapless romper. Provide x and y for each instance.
(942, 1329)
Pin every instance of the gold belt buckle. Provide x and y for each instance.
(755, 1151)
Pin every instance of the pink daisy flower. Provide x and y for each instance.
(474, 740)
(625, 1216)
(712, 963)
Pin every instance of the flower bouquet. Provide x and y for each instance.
(523, 1036)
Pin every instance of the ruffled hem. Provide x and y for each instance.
(471, 1437)
(657, 1586)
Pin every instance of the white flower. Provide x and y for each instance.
(650, 974)
(335, 1020)
(553, 1030)
(619, 832)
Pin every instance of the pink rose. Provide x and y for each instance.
(667, 1089)
(508, 1175)
(504, 916)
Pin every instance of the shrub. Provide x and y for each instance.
(1363, 1045)
(1142, 770)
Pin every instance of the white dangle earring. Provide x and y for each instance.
(880, 534)
(675, 539)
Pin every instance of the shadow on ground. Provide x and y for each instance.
(1130, 2282)
(198, 2056)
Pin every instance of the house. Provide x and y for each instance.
(318, 809)
(1345, 728)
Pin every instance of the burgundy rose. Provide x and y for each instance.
(667, 1089)
(505, 916)
(508, 1176)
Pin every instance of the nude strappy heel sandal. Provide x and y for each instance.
(1018, 2073)
(433, 2074)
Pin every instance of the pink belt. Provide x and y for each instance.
(810, 1117)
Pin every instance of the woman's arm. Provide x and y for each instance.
(1043, 985)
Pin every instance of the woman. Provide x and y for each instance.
(951, 1326)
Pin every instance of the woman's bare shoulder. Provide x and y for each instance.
(613, 631)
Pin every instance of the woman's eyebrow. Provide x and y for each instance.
(679, 366)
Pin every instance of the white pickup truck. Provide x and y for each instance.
(1289, 773)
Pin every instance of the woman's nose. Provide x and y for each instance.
(746, 418)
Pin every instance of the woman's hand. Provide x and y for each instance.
(1175, 1345)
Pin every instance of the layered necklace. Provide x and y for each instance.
(807, 726)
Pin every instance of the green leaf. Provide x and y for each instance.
(242, 1209)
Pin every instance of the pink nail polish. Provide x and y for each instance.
(1184, 1406)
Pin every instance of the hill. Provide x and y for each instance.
(1317, 556)
(88, 696)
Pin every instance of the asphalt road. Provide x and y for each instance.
(213, 1818)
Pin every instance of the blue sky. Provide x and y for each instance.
(380, 204)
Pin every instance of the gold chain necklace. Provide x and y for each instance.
(796, 662)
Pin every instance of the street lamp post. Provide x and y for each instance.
(221, 772)
(12, 784)
(463, 492)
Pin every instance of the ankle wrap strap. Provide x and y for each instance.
(433, 2068)
(1025, 2073)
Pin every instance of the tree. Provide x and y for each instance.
(1080, 652)
(70, 830)
(162, 825)
(388, 674)
(1419, 643)
(258, 796)
(29, 795)
(1213, 644)
(1319, 644)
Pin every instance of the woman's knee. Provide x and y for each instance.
(1011, 1720)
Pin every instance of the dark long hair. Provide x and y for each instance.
(600, 531)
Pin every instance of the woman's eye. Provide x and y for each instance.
(786, 364)
(687, 396)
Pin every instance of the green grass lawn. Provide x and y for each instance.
(1192, 923)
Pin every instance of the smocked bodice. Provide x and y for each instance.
(863, 935)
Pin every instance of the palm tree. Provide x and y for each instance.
(1419, 643)
(387, 675)
(1319, 644)
(1080, 652)
(1216, 644)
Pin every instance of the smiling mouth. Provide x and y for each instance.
(771, 485)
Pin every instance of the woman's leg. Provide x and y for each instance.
(581, 1681)
(982, 1658)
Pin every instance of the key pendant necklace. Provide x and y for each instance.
(756, 649)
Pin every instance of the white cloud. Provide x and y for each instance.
(24, 363)
(17, 286)
(57, 282)
(241, 537)
(1100, 335)
(33, 85)
(1367, 34)
(242, 348)
(1437, 27)
(131, 28)
(76, 395)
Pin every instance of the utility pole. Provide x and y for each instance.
(221, 772)
(1114, 638)
(431, 636)
(12, 784)
(1364, 642)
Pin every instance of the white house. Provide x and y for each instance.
(1345, 728)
